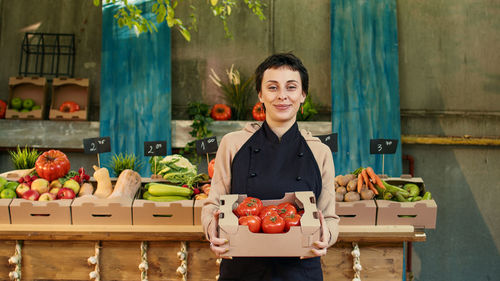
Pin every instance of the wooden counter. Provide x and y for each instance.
(60, 252)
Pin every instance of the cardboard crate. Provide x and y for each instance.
(295, 243)
(4, 211)
(34, 88)
(198, 205)
(69, 89)
(24, 211)
(146, 212)
(362, 212)
(420, 214)
(89, 210)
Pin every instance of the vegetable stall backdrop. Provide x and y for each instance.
(135, 86)
(365, 83)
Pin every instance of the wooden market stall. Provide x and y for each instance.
(62, 252)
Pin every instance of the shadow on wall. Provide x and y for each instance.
(462, 246)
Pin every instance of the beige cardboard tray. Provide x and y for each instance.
(24, 211)
(4, 211)
(88, 210)
(147, 212)
(295, 243)
(69, 89)
(34, 88)
(420, 214)
(362, 212)
(198, 205)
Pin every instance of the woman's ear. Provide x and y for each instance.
(303, 99)
(260, 97)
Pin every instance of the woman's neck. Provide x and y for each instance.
(280, 128)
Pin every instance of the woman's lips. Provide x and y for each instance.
(282, 106)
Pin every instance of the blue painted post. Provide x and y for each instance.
(135, 86)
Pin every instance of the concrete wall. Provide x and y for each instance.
(449, 86)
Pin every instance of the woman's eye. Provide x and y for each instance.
(292, 87)
(272, 88)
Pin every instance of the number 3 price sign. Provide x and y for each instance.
(383, 146)
(96, 146)
(155, 148)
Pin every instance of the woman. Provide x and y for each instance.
(268, 160)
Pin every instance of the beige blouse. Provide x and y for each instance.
(221, 181)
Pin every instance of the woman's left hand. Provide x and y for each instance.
(320, 246)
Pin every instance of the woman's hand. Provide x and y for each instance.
(320, 246)
(216, 243)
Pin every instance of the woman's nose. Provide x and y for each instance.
(282, 94)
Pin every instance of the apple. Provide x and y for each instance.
(21, 189)
(31, 195)
(7, 193)
(55, 183)
(40, 185)
(47, 196)
(55, 190)
(72, 184)
(66, 193)
(16, 103)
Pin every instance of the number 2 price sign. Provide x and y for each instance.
(383, 146)
(97, 146)
(155, 148)
(206, 146)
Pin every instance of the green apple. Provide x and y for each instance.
(72, 184)
(36, 107)
(28, 104)
(24, 110)
(16, 103)
(11, 185)
(7, 193)
(3, 182)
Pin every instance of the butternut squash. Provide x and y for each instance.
(126, 185)
(104, 186)
(86, 189)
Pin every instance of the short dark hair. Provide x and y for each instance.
(288, 60)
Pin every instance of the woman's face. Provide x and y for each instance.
(282, 94)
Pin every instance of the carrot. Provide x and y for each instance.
(365, 177)
(370, 185)
(360, 182)
(374, 177)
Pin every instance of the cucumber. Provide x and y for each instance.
(394, 189)
(160, 189)
(167, 198)
(427, 196)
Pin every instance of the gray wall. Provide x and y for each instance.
(449, 86)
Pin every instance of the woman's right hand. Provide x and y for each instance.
(216, 243)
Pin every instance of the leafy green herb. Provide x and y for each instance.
(24, 158)
(68, 176)
(200, 114)
(308, 108)
(125, 161)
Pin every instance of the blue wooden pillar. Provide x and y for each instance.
(136, 87)
(365, 83)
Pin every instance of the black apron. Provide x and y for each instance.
(267, 168)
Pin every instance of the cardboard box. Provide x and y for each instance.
(295, 243)
(198, 205)
(24, 211)
(362, 212)
(4, 211)
(146, 212)
(91, 211)
(69, 89)
(420, 214)
(34, 88)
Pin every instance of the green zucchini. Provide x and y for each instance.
(160, 189)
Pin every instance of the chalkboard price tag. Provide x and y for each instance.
(383, 146)
(155, 148)
(208, 145)
(331, 140)
(96, 145)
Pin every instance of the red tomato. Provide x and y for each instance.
(69, 106)
(248, 208)
(258, 112)
(255, 200)
(3, 108)
(220, 112)
(292, 220)
(253, 223)
(286, 209)
(52, 164)
(268, 210)
(301, 212)
(211, 165)
(273, 224)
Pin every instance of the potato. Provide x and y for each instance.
(352, 185)
(341, 189)
(350, 177)
(351, 196)
(367, 194)
(339, 197)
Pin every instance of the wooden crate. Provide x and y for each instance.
(69, 89)
(34, 88)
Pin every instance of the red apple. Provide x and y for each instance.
(40, 185)
(65, 193)
(47, 196)
(31, 195)
(21, 189)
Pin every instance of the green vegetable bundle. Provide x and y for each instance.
(410, 192)
(177, 169)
